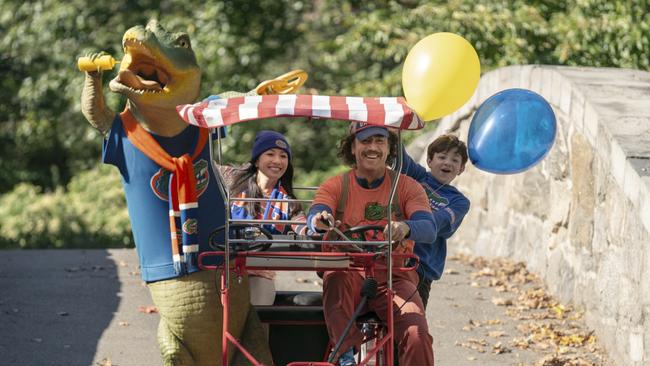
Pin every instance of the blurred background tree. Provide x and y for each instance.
(54, 192)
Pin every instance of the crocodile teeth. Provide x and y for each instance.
(143, 92)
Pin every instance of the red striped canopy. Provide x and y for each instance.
(382, 111)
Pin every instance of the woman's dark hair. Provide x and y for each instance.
(244, 178)
(345, 149)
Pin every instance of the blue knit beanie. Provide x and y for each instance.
(266, 140)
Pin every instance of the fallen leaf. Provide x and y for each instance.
(498, 349)
(473, 343)
(501, 289)
(494, 282)
(559, 311)
(454, 258)
(105, 362)
(482, 342)
(496, 334)
(485, 272)
(520, 342)
(573, 340)
(148, 309)
(499, 301)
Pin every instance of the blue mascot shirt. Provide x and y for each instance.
(145, 184)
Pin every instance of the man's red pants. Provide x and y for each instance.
(342, 293)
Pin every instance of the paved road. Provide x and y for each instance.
(84, 307)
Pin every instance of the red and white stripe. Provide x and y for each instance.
(382, 111)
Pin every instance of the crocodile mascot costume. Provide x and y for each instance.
(174, 202)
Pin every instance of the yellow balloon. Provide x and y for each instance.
(441, 72)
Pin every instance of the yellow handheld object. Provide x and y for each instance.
(284, 84)
(104, 62)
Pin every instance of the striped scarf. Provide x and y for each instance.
(274, 210)
(183, 200)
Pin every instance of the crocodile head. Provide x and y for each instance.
(159, 68)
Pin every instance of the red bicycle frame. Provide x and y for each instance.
(359, 262)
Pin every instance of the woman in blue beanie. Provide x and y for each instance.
(269, 174)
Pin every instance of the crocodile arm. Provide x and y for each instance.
(93, 105)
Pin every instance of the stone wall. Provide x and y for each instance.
(581, 218)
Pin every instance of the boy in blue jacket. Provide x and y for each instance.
(446, 158)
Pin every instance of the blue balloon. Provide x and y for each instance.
(511, 131)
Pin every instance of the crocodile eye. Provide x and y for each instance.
(184, 42)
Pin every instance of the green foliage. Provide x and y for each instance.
(349, 47)
(605, 34)
(91, 212)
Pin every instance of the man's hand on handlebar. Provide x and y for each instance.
(323, 221)
(400, 230)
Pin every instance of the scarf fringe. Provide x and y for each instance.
(180, 268)
(190, 259)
